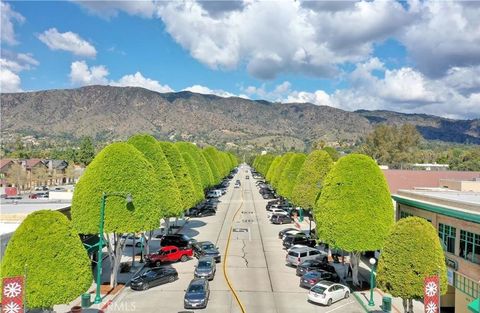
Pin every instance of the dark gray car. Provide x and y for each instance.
(205, 268)
(197, 294)
(206, 248)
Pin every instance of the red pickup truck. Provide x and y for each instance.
(169, 254)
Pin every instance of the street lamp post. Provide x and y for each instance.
(372, 281)
(128, 199)
(141, 248)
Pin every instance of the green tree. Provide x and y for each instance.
(86, 153)
(280, 168)
(204, 170)
(181, 173)
(214, 155)
(213, 167)
(16, 175)
(332, 152)
(354, 211)
(263, 162)
(118, 168)
(309, 182)
(47, 247)
(402, 269)
(170, 198)
(195, 175)
(272, 168)
(289, 175)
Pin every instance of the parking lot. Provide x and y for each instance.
(255, 264)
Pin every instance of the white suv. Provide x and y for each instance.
(296, 256)
(326, 292)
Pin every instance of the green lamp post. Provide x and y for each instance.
(372, 281)
(128, 199)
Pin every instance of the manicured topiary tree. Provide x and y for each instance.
(171, 202)
(354, 211)
(332, 152)
(280, 168)
(195, 175)
(49, 251)
(118, 168)
(272, 168)
(289, 175)
(181, 173)
(411, 252)
(216, 158)
(309, 182)
(213, 167)
(202, 164)
(262, 163)
(233, 159)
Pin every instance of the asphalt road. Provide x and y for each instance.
(255, 265)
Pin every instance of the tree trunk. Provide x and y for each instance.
(146, 241)
(118, 248)
(405, 305)
(410, 305)
(167, 225)
(354, 261)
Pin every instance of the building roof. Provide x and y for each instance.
(5, 162)
(33, 162)
(459, 204)
(409, 179)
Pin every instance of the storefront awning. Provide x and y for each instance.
(474, 306)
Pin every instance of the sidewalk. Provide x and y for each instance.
(123, 278)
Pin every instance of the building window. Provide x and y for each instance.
(470, 246)
(404, 214)
(447, 236)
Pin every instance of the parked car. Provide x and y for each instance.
(247, 177)
(326, 292)
(309, 279)
(197, 294)
(154, 277)
(314, 265)
(299, 239)
(275, 211)
(301, 254)
(177, 240)
(32, 196)
(283, 231)
(268, 196)
(207, 211)
(206, 248)
(281, 219)
(205, 268)
(214, 193)
(128, 240)
(169, 254)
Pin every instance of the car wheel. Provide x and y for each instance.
(145, 286)
(347, 294)
(184, 258)
(158, 263)
(329, 303)
(138, 244)
(171, 279)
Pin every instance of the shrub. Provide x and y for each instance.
(48, 249)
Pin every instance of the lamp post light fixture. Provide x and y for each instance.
(372, 281)
(128, 199)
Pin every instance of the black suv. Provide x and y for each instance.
(177, 240)
(299, 240)
(315, 265)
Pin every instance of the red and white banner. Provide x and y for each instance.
(12, 294)
(431, 294)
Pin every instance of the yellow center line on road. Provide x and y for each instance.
(242, 308)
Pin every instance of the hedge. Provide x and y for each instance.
(354, 211)
(171, 202)
(411, 252)
(195, 175)
(204, 170)
(309, 182)
(119, 167)
(280, 167)
(272, 168)
(48, 249)
(289, 175)
(213, 166)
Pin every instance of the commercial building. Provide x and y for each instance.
(453, 208)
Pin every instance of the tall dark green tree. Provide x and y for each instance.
(86, 153)
(47, 246)
(309, 182)
(354, 211)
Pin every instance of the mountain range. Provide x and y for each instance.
(114, 113)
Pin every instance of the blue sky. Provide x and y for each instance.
(350, 55)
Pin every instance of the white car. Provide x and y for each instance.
(276, 211)
(327, 292)
(127, 240)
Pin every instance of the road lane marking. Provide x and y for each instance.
(338, 307)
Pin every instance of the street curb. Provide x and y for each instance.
(364, 306)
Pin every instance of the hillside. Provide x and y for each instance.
(112, 113)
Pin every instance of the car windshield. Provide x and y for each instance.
(318, 289)
(306, 263)
(163, 252)
(312, 275)
(195, 289)
(293, 253)
(207, 246)
(149, 274)
(204, 264)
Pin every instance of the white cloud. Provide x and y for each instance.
(7, 19)
(109, 9)
(207, 91)
(67, 41)
(81, 74)
(9, 81)
(137, 80)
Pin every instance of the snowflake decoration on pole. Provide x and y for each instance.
(431, 289)
(431, 307)
(11, 307)
(12, 290)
